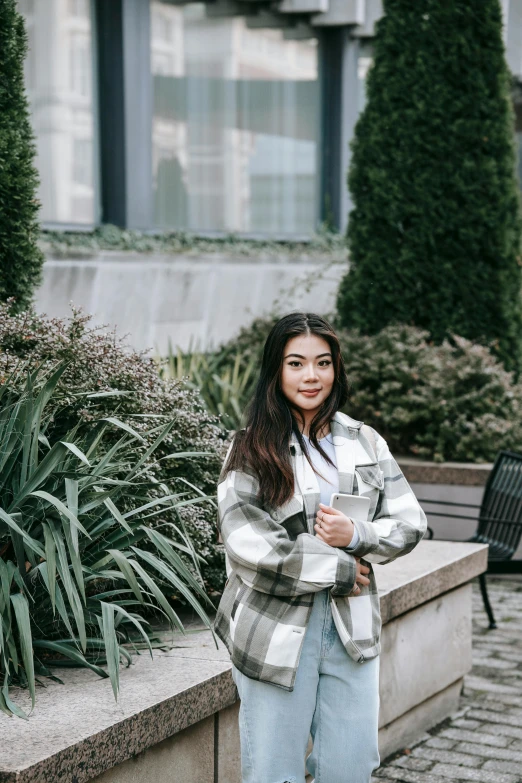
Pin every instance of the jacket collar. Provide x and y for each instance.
(340, 424)
(345, 432)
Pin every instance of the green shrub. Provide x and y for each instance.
(82, 554)
(434, 236)
(452, 401)
(98, 360)
(21, 259)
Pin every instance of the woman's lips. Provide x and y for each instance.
(311, 392)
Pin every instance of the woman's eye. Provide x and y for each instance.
(322, 363)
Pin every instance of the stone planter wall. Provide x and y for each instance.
(176, 717)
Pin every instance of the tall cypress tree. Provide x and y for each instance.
(20, 257)
(434, 236)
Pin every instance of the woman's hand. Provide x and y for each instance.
(360, 579)
(333, 527)
(336, 529)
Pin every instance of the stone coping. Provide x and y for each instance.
(275, 255)
(433, 568)
(78, 731)
(469, 474)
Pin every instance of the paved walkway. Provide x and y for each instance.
(483, 740)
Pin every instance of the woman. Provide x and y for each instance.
(300, 612)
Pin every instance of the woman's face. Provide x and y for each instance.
(308, 373)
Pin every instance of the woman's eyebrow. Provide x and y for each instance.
(304, 357)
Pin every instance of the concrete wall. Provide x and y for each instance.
(414, 697)
(176, 714)
(415, 694)
(205, 298)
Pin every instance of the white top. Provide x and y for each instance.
(330, 482)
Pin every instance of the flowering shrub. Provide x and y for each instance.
(128, 387)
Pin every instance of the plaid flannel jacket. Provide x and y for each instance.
(275, 562)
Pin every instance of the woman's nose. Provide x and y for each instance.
(310, 374)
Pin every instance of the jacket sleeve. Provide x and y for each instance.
(399, 524)
(263, 555)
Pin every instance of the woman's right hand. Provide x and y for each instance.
(361, 578)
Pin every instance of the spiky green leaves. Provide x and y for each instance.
(78, 566)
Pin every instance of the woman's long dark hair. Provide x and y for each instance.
(264, 445)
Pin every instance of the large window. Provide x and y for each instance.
(235, 125)
(59, 80)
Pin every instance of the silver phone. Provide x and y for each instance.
(353, 506)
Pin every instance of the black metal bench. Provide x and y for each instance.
(499, 515)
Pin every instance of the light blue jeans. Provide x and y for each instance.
(334, 698)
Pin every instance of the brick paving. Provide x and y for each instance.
(482, 741)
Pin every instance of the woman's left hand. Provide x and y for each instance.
(332, 527)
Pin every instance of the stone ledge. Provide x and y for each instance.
(433, 568)
(78, 731)
(469, 474)
(160, 257)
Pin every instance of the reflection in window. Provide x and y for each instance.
(235, 125)
(58, 76)
(79, 8)
(364, 63)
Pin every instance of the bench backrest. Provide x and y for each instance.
(500, 517)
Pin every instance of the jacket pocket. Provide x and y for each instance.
(371, 474)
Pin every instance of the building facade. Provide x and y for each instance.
(210, 117)
(216, 117)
